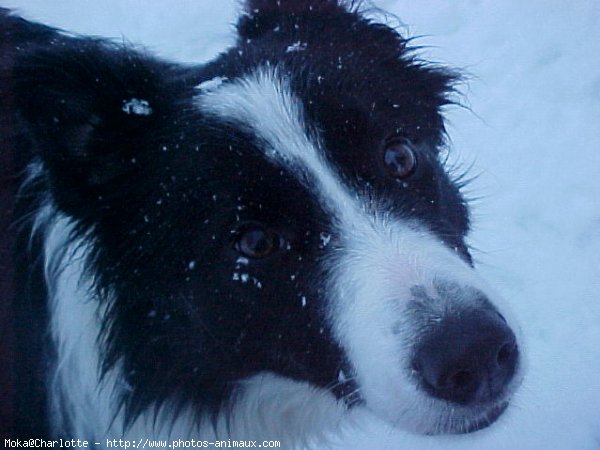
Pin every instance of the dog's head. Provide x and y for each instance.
(283, 209)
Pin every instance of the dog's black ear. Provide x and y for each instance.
(88, 106)
(262, 16)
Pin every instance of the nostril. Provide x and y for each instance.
(461, 380)
(505, 354)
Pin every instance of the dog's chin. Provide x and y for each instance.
(471, 424)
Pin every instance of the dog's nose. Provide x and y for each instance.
(468, 358)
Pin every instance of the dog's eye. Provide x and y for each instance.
(399, 159)
(256, 242)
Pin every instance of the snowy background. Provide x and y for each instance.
(533, 135)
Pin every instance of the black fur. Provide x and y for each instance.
(162, 197)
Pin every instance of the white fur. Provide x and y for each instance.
(75, 329)
(381, 258)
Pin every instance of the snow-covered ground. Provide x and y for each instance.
(533, 133)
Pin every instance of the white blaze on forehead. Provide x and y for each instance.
(383, 251)
(263, 103)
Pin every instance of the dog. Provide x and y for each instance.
(250, 248)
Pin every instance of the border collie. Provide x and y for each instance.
(250, 248)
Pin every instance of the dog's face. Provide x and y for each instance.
(283, 209)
